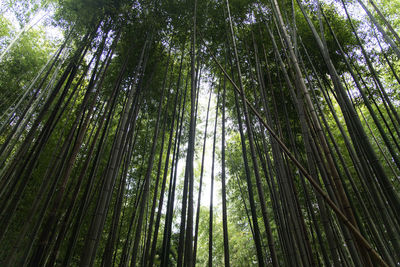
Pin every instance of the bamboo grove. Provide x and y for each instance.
(282, 116)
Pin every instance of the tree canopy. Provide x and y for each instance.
(184, 132)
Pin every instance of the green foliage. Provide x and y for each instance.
(24, 11)
(157, 26)
(340, 27)
(240, 242)
(22, 62)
